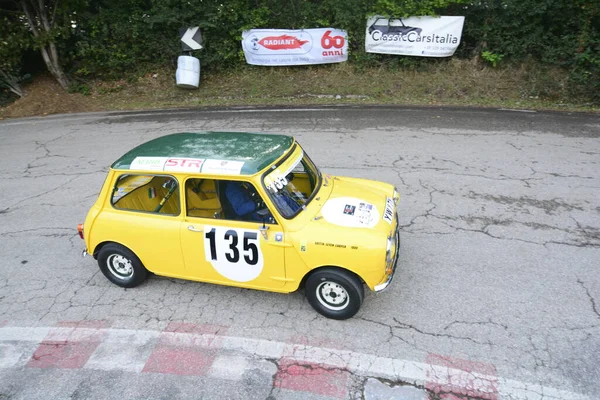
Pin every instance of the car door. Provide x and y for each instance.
(220, 249)
(144, 215)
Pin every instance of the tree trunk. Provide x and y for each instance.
(53, 65)
(11, 83)
(37, 16)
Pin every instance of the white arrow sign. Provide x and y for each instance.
(192, 38)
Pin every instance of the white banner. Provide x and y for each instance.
(295, 47)
(414, 36)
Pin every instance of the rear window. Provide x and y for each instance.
(147, 193)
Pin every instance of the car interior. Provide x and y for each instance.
(205, 198)
(208, 198)
(148, 193)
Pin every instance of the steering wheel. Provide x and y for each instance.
(260, 204)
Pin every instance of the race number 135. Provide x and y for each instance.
(235, 253)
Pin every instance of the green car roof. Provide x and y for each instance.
(252, 151)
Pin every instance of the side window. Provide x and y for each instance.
(303, 184)
(223, 199)
(148, 193)
(202, 198)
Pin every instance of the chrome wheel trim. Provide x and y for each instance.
(332, 295)
(119, 266)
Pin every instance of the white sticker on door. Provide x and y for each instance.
(234, 253)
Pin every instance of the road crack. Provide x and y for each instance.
(590, 297)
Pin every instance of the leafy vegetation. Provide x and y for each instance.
(14, 41)
(492, 58)
(115, 39)
(549, 32)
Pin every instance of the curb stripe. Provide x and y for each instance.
(416, 373)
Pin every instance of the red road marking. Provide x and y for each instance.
(183, 357)
(3, 323)
(313, 378)
(179, 360)
(72, 352)
(62, 354)
(449, 396)
(462, 382)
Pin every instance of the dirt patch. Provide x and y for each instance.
(44, 96)
(453, 83)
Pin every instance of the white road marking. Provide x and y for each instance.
(229, 367)
(18, 334)
(119, 356)
(123, 349)
(412, 372)
(206, 341)
(87, 116)
(10, 354)
(263, 348)
(517, 110)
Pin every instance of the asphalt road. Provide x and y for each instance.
(499, 271)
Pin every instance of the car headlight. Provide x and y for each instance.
(388, 251)
(396, 196)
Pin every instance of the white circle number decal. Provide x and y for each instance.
(235, 253)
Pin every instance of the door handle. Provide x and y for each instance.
(263, 229)
(191, 228)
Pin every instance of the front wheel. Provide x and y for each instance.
(121, 266)
(334, 293)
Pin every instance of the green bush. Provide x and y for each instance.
(551, 32)
(116, 39)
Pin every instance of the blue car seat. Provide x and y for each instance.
(240, 203)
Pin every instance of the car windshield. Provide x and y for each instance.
(292, 185)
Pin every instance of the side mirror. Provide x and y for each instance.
(263, 214)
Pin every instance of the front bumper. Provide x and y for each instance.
(384, 285)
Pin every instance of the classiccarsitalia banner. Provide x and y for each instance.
(295, 47)
(414, 36)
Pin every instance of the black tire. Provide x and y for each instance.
(121, 266)
(334, 293)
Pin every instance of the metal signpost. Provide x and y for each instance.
(191, 38)
(188, 67)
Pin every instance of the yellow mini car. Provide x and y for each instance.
(247, 210)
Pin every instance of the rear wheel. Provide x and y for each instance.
(121, 266)
(334, 293)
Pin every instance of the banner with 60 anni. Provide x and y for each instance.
(277, 47)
